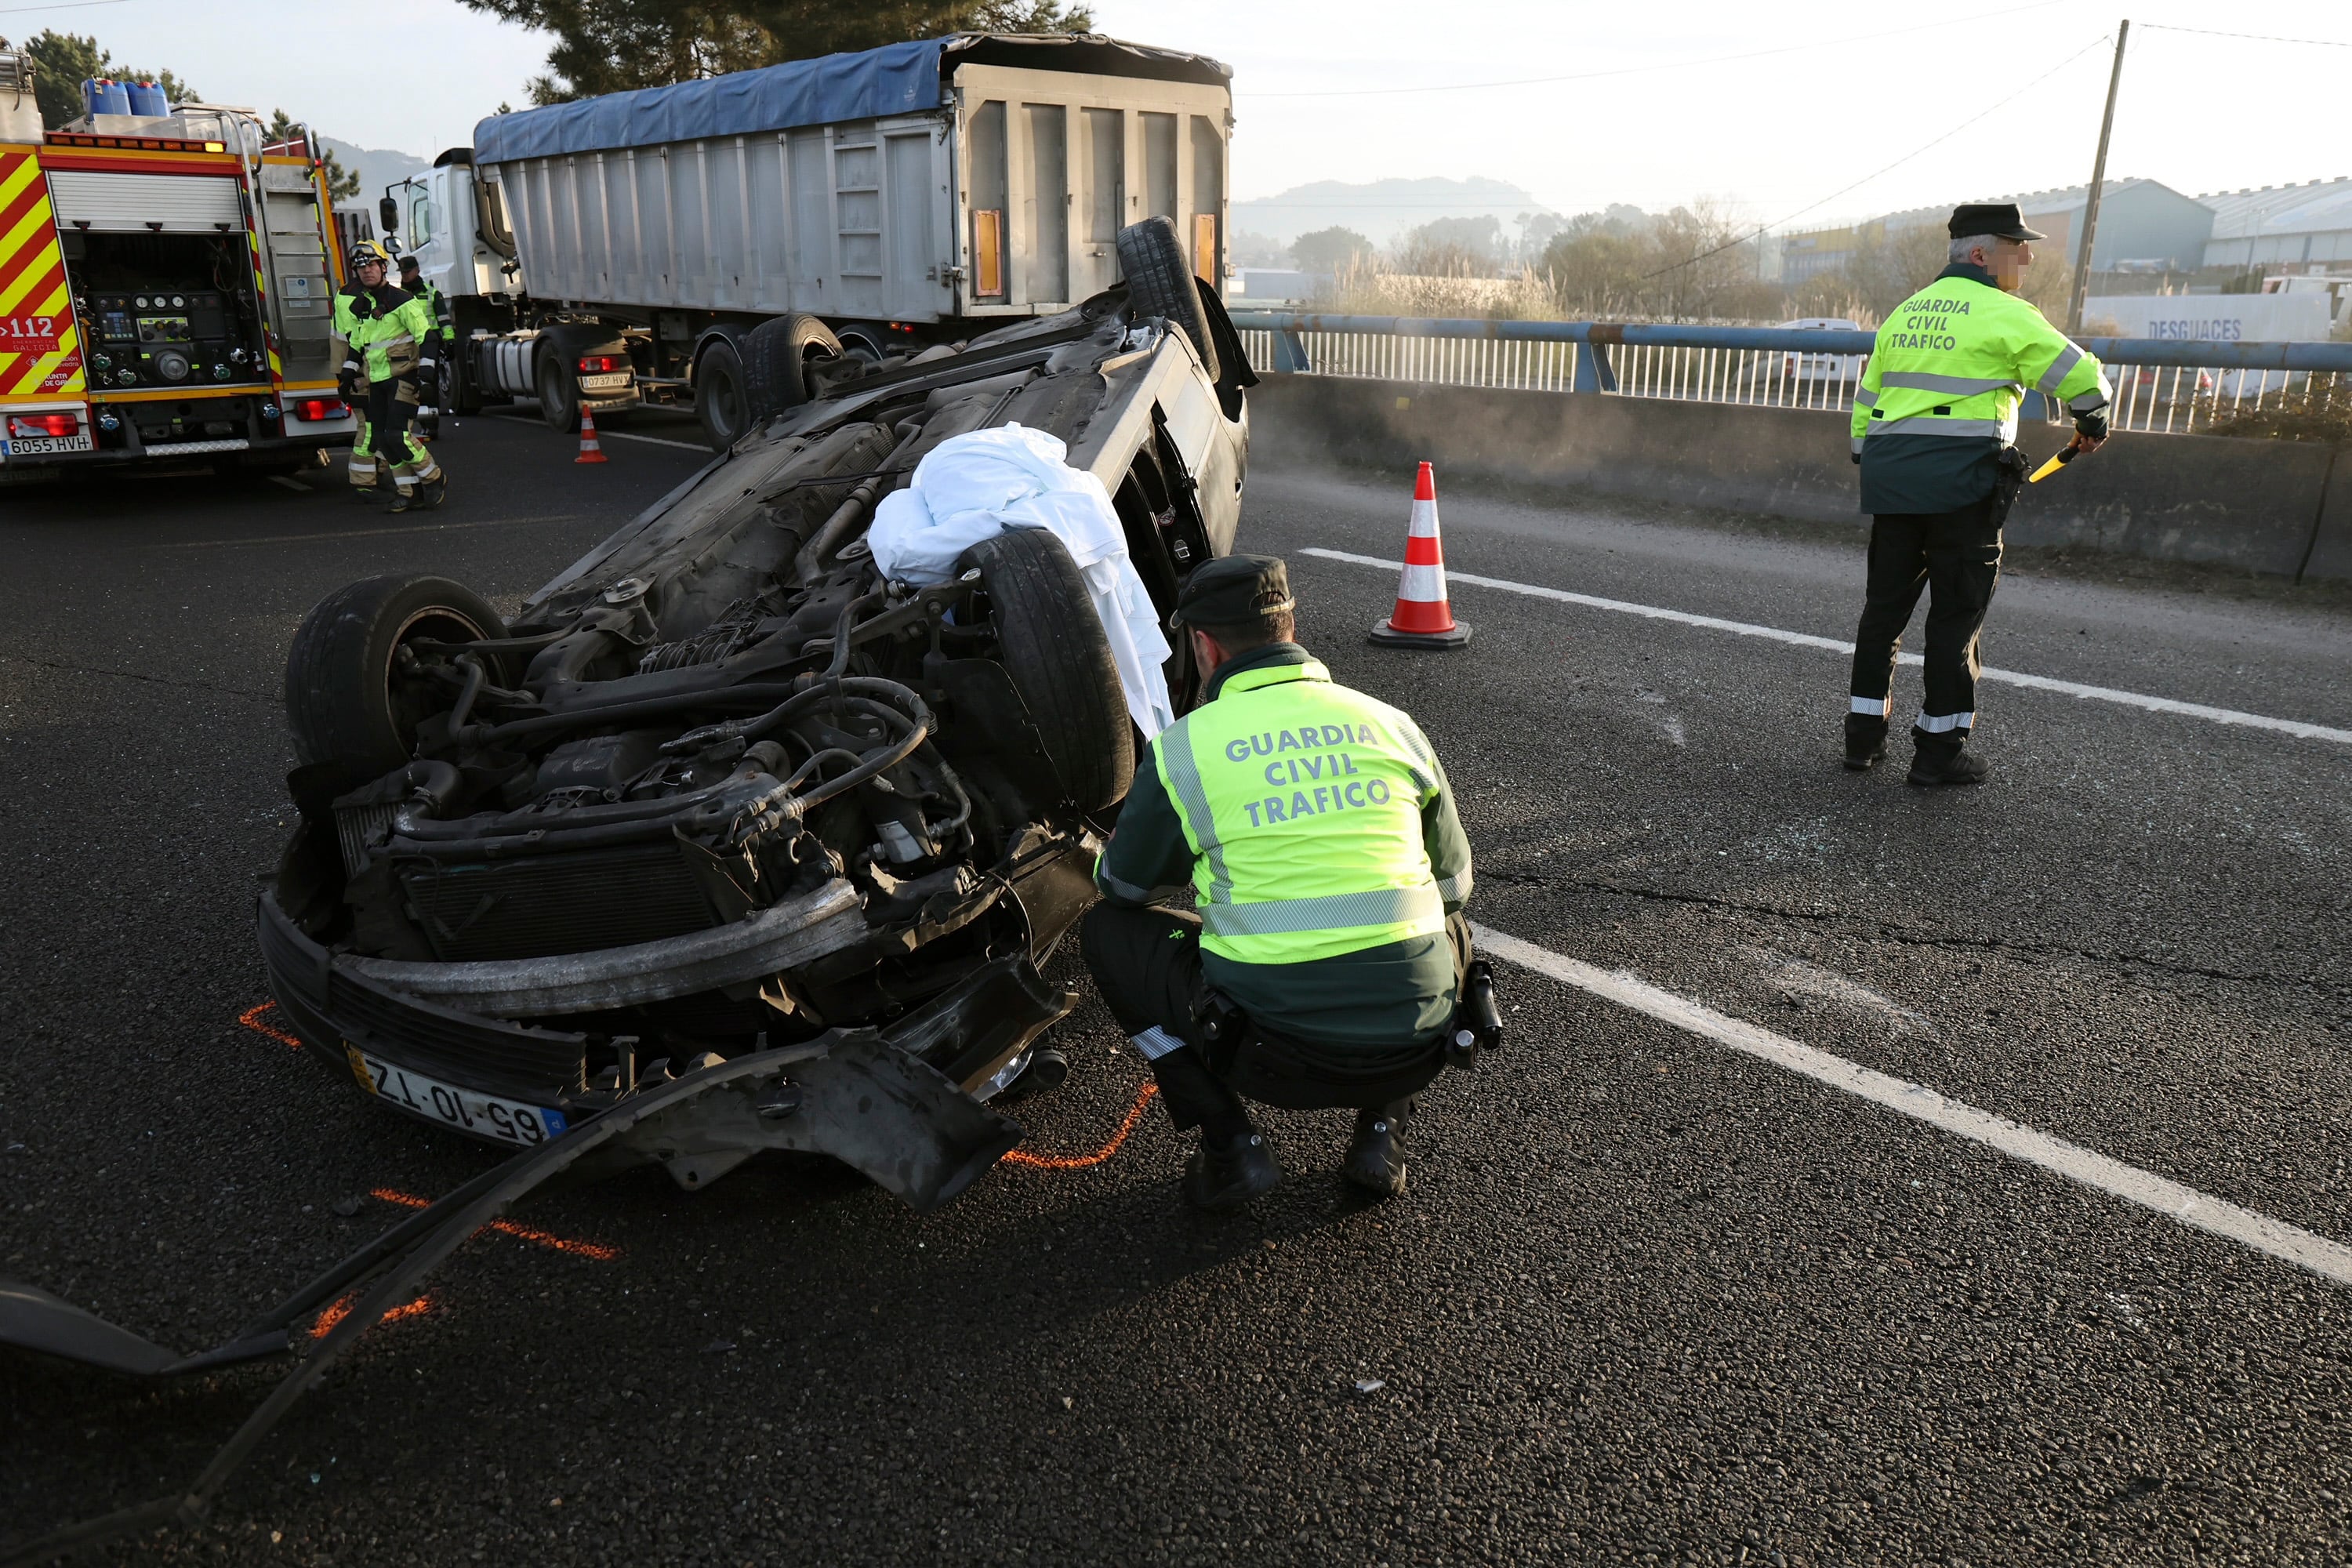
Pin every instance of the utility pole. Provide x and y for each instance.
(2090, 197)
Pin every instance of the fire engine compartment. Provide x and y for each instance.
(160, 310)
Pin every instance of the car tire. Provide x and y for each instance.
(344, 703)
(722, 395)
(776, 361)
(1059, 661)
(1159, 282)
(559, 385)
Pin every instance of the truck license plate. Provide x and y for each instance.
(466, 1110)
(36, 446)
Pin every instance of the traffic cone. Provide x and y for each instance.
(589, 452)
(1422, 617)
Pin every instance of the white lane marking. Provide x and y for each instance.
(2295, 727)
(617, 436)
(2288, 1243)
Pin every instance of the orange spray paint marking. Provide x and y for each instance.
(336, 1312)
(596, 1250)
(251, 1019)
(1081, 1161)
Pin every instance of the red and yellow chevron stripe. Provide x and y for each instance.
(40, 349)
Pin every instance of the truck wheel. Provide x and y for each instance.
(1060, 660)
(559, 387)
(1159, 282)
(347, 701)
(721, 400)
(776, 359)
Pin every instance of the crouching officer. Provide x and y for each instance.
(1933, 424)
(1329, 953)
(394, 339)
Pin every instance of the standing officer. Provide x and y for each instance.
(1933, 424)
(413, 281)
(393, 339)
(1327, 957)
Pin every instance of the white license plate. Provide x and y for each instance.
(604, 383)
(466, 1110)
(33, 446)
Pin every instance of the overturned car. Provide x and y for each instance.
(725, 790)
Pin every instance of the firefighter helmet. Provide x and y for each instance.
(368, 252)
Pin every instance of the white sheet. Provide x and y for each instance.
(973, 486)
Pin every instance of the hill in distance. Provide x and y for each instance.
(376, 166)
(1382, 209)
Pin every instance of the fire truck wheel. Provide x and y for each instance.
(1159, 283)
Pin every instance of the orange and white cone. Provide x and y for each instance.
(1422, 617)
(589, 452)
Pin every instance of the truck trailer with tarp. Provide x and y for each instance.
(623, 249)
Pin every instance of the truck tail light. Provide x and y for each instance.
(597, 364)
(33, 425)
(316, 408)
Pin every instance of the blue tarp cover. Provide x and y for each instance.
(897, 79)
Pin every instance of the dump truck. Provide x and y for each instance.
(621, 250)
(166, 290)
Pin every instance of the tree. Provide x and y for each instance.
(340, 185)
(63, 61)
(1452, 247)
(612, 46)
(1332, 251)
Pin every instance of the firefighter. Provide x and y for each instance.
(394, 341)
(1327, 957)
(1932, 428)
(428, 413)
(349, 382)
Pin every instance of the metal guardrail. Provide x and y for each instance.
(2162, 384)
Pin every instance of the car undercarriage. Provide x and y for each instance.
(723, 787)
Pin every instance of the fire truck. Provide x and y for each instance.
(167, 288)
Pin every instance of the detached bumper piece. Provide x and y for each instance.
(860, 1096)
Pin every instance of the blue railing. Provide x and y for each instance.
(2161, 384)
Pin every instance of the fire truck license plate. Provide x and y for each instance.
(34, 446)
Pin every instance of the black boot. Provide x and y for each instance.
(1376, 1153)
(1227, 1173)
(1945, 760)
(1865, 740)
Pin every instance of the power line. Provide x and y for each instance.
(1974, 119)
(64, 5)
(2257, 38)
(1664, 66)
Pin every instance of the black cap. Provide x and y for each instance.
(2000, 218)
(408, 263)
(1233, 591)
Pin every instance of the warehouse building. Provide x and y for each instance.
(2282, 228)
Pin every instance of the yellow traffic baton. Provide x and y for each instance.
(2066, 455)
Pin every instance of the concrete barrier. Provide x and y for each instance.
(2274, 507)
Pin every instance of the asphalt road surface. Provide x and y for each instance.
(1652, 1299)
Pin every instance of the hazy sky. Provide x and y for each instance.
(1768, 135)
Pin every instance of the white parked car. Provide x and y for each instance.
(1826, 368)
